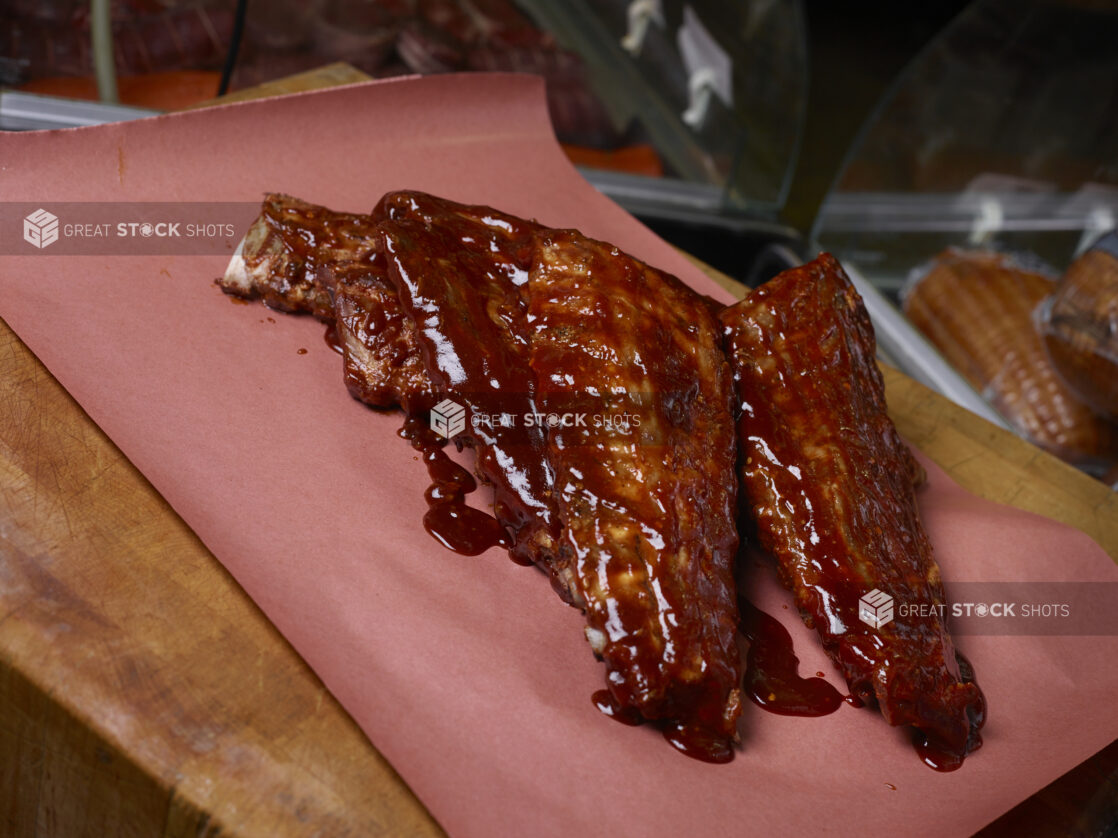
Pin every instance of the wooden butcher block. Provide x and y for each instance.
(142, 693)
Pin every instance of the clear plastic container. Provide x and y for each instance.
(1079, 326)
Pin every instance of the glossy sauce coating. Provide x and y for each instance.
(331, 339)
(830, 488)
(459, 273)
(289, 243)
(380, 355)
(607, 705)
(647, 505)
(640, 531)
(449, 520)
(300, 257)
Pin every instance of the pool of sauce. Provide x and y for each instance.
(457, 271)
(936, 757)
(933, 757)
(608, 706)
(772, 681)
(698, 742)
(331, 338)
(948, 759)
(449, 520)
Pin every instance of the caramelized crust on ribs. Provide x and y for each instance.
(300, 257)
(644, 482)
(380, 355)
(829, 484)
(459, 272)
(284, 248)
(507, 239)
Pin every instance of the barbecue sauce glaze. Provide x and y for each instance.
(771, 678)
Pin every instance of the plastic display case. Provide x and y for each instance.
(1001, 136)
(1002, 133)
(718, 89)
(684, 112)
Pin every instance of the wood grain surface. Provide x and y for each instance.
(143, 694)
(330, 75)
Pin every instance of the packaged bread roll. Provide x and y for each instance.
(978, 308)
(1079, 325)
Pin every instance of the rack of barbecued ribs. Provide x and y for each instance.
(632, 511)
